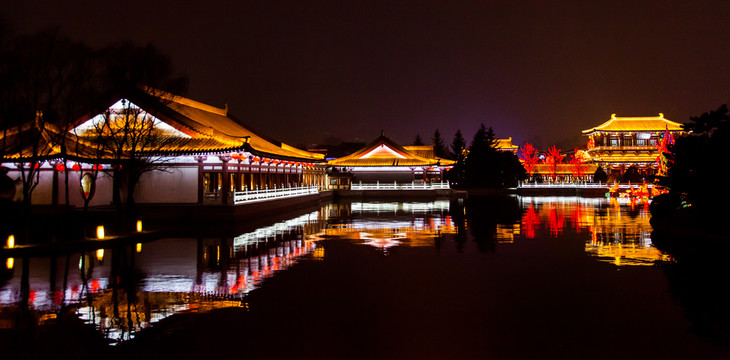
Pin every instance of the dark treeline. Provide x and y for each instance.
(481, 164)
(697, 196)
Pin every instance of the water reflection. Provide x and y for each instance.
(618, 230)
(122, 291)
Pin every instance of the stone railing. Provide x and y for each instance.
(250, 196)
(402, 186)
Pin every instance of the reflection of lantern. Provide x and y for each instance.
(100, 254)
(139, 247)
(9, 263)
(88, 186)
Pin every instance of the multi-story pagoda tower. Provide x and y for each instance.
(622, 142)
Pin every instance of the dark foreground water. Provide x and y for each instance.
(495, 277)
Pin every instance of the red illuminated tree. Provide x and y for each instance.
(530, 158)
(577, 167)
(553, 158)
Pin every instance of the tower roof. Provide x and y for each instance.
(634, 123)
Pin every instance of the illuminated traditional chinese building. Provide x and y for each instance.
(622, 142)
(383, 160)
(207, 154)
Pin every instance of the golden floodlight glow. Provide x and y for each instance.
(9, 263)
(139, 247)
(11, 241)
(100, 254)
(139, 225)
(100, 232)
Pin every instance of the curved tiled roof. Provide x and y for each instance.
(385, 152)
(211, 129)
(651, 123)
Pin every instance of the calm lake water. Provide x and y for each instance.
(491, 277)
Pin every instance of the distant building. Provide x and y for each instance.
(622, 142)
(383, 160)
(506, 145)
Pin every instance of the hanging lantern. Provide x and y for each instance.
(61, 167)
(236, 156)
(76, 167)
(256, 159)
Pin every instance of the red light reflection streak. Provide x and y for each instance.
(555, 220)
(530, 221)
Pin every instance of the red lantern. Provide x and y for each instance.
(276, 162)
(60, 167)
(267, 160)
(76, 167)
(236, 156)
(256, 159)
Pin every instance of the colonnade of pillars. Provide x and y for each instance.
(221, 183)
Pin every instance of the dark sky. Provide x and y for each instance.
(306, 71)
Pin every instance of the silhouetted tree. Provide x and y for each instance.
(438, 145)
(698, 161)
(45, 83)
(457, 145)
(600, 175)
(417, 140)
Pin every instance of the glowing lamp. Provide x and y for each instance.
(11, 242)
(256, 159)
(76, 167)
(139, 225)
(100, 254)
(139, 247)
(9, 263)
(100, 232)
(61, 167)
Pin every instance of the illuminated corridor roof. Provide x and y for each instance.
(200, 128)
(385, 152)
(651, 123)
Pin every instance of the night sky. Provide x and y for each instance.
(309, 71)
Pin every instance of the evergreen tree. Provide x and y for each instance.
(417, 140)
(438, 145)
(457, 145)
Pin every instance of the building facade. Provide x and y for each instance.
(624, 142)
(194, 153)
(385, 161)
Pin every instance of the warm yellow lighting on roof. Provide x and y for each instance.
(636, 123)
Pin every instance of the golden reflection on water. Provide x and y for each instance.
(619, 229)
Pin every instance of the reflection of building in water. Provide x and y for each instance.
(407, 223)
(620, 232)
(126, 290)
